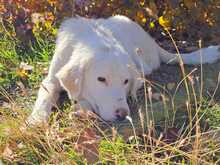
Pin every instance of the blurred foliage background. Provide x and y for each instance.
(187, 20)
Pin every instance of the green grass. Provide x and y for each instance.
(71, 140)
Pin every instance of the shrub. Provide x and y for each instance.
(189, 20)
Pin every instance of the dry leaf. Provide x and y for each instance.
(87, 144)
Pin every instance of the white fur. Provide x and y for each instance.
(90, 48)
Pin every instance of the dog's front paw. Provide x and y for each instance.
(36, 119)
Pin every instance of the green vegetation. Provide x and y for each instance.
(178, 128)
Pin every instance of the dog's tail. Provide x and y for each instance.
(201, 56)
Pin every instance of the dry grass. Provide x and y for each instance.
(71, 139)
(168, 127)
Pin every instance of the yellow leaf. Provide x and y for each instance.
(48, 24)
(151, 25)
(54, 31)
(22, 73)
(142, 2)
(140, 14)
(144, 20)
(49, 16)
(52, 2)
(164, 22)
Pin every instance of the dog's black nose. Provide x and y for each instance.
(121, 114)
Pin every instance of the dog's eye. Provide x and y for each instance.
(101, 79)
(126, 81)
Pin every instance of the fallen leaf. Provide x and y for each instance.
(87, 144)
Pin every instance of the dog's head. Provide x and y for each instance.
(101, 82)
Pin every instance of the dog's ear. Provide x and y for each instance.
(70, 77)
(136, 82)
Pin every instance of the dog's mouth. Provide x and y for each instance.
(94, 108)
(96, 111)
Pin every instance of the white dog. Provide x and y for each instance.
(97, 63)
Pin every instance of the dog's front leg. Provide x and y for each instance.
(46, 99)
